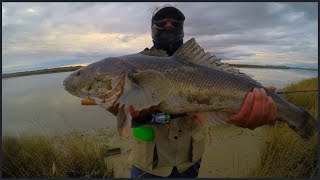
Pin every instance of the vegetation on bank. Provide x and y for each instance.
(286, 154)
(42, 157)
(42, 71)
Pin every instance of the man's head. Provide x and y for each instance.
(167, 25)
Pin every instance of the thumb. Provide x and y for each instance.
(272, 88)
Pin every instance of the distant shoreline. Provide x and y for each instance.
(73, 68)
(42, 71)
(270, 67)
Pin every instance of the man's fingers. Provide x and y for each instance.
(114, 109)
(256, 110)
(245, 111)
(264, 108)
(149, 110)
(272, 111)
(142, 112)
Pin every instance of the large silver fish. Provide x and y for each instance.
(190, 81)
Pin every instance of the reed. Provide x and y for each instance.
(41, 156)
(285, 154)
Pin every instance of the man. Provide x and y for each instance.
(174, 148)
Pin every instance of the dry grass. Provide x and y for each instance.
(84, 157)
(32, 156)
(40, 156)
(284, 153)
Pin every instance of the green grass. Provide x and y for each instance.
(40, 156)
(285, 154)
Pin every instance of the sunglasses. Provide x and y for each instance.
(166, 23)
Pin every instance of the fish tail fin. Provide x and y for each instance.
(308, 127)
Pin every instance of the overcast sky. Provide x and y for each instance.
(54, 34)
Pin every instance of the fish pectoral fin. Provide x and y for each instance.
(149, 88)
(212, 117)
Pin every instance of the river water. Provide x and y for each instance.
(39, 104)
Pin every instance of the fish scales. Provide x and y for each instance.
(197, 87)
(177, 84)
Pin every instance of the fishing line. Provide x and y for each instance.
(286, 92)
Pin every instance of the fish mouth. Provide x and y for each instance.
(105, 100)
(69, 89)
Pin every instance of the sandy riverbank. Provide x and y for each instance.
(232, 152)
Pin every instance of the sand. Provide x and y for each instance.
(232, 152)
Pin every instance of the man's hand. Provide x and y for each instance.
(135, 113)
(258, 109)
(114, 109)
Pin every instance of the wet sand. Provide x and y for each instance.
(232, 152)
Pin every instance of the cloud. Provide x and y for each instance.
(40, 32)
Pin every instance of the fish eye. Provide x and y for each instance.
(77, 73)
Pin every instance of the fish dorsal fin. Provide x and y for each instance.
(192, 52)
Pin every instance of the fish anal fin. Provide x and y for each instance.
(197, 117)
(212, 117)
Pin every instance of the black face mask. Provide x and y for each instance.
(168, 35)
(174, 33)
(170, 48)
